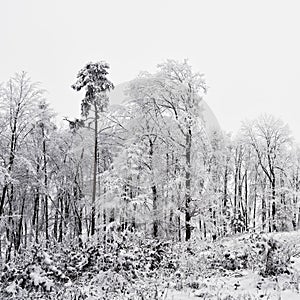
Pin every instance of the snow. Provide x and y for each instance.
(12, 288)
(296, 263)
(47, 259)
(289, 295)
(202, 270)
(246, 284)
(224, 288)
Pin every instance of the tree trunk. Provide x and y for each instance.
(155, 221)
(35, 219)
(254, 202)
(263, 205)
(61, 222)
(93, 216)
(179, 228)
(46, 184)
(246, 200)
(235, 202)
(273, 205)
(20, 226)
(225, 195)
(154, 190)
(263, 212)
(4, 191)
(55, 225)
(188, 229)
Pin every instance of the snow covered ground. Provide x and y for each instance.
(231, 268)
(249, 286)
(246, 284)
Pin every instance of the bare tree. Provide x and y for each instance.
(268, 137)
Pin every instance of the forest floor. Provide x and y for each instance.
(244, 267)
(249, 284)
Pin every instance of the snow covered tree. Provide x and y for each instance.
(180, 95)
(269, 138)
(93, 78)
(147, 127)
(18, 100)
(173, 95)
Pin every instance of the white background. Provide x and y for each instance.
(249, 51)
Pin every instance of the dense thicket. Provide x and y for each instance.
(150, 166)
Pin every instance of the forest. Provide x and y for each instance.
(141, 199)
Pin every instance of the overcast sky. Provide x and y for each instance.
(249, 51)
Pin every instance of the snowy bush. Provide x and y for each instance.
(268, 255)
(133, 270)
(136, 268)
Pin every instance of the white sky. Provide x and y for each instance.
(249, 51)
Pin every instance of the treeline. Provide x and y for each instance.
(150, 166)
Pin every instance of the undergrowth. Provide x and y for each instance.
(135, 268)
